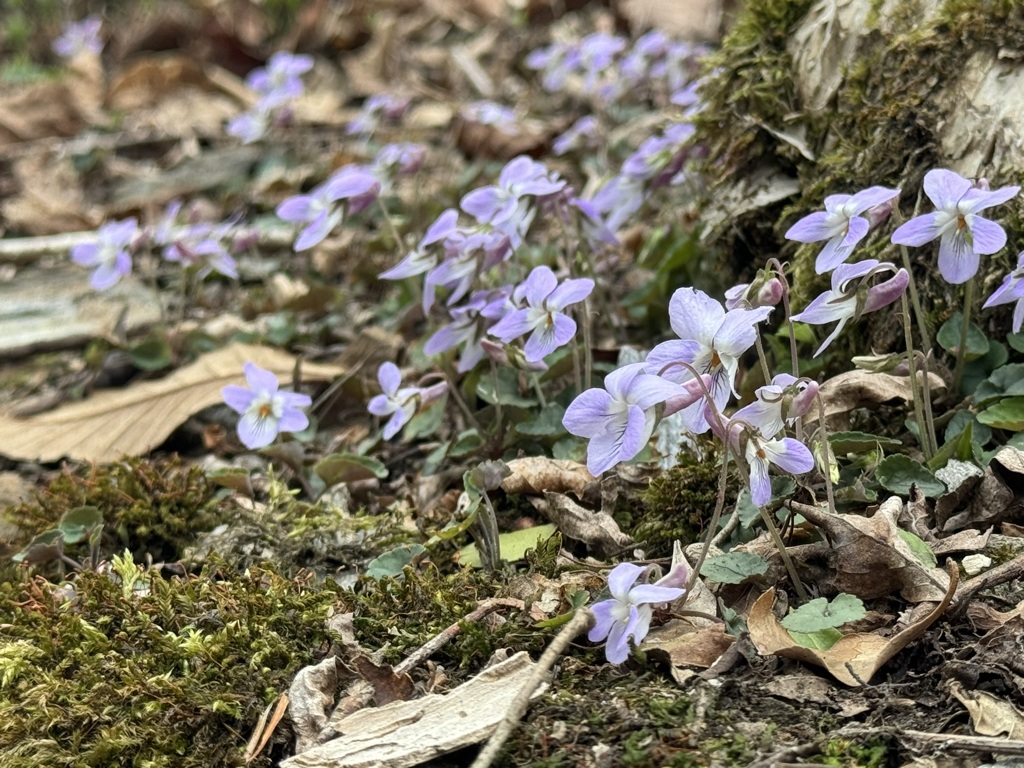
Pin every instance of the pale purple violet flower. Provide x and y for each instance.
(659, 158)
(279, 81)
(266, 411)
(553, 63)
(780, 403)
(249, 126)
(317, 210)
(493, 114)
(580, 135)
(79, 36)
(759, 448)
(765, 291)
(964, 235)
(618, 199)
(500, 203)
(397, 401)
(420, 260)
(543, 319)
(841, 224)
(1012, 290)
(386, 105)
(620, 418)
(595, 54)
(468, 325)
(851, 296)
(109, 253)
(627, 614)
(711, 340)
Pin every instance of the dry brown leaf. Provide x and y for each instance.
(50, 197)
(53, 108)
(174, 95)
(990, 716)
(537, 474)
(135, 420)
(995, 499)
(311, 697)
(692, 20)
(679, 644)
(803, 688)
(854, 658)
(860, 389)
(598, 530)
(871, 559)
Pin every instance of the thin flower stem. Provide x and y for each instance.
(961, 349)
(723, 481)
(922, 327)
(539, 391)
(453, 389)
(773, 531)
(497, 400)
(588, 351)
(916, 388)
(761, 356)
(826, 456)
(929, 417)
(794, 360)
(577, 367)
(399, 242)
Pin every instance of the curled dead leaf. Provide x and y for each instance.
(990, 716)
(535, 475)
(133, 421)
(595, 529)
(869, 556)
(860, 389)
(854, 658)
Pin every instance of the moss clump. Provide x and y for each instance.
(150, 507)
(399, 615)
(135, 670)
(678, 503)
(848, 754)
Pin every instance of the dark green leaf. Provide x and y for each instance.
(43, 548)
(821, 614)
(898, 472)
(508, 392)
(233, 478)
(348, 468)
(1006, 414)
(547, 423)
(734, 567)
(948, 337)
(855, 442)
(151, 354)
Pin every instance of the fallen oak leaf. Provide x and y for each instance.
(134, 420)
(853, 659)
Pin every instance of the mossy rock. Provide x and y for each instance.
(132, 669)
(816, 98)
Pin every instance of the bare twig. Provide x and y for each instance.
(577, 624)
(1001, 574)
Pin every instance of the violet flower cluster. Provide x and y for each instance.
(378, 109)
(203, 247)
(605, 66)
(278, 85)
(964, 236)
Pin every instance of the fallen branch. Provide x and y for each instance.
(517, 708)
(1001, 574)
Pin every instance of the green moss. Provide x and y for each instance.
(399, 615)
(849, 754)
(678, 503)
(152, 507)
(171, 673)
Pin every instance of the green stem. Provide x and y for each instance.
(915, 300)
(826, 456)
(761, 356)
(773, 531)
(399, 243)
(961, 349)
(916, 388)
(539, 391)
(723, 481)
